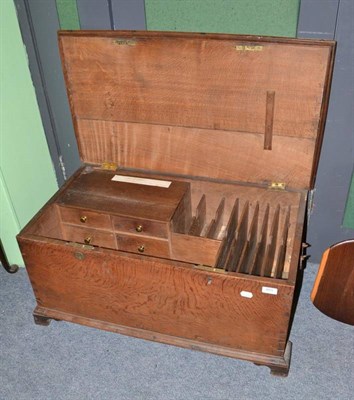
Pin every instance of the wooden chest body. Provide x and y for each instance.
(185, 225)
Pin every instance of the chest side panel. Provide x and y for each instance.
(164, 298)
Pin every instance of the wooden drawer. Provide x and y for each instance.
(85, 218)
(143, 245)
(90, 236)
(139, 226)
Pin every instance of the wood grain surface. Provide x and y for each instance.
(95, 190)
(221, 117)
(213, 84)
(199, 82)
(90, 236)
(164, 297)
(100, 224)
(333, 291)
(235, 156)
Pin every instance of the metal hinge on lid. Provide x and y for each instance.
(109, 166)
(125, 42)
(277, 186)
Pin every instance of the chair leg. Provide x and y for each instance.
(11, 269)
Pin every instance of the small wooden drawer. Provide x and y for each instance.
(85, 218)
(143, 245)
(194, 249)
(138, 226)
(89, 236)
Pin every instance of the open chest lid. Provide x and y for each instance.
(226, 107)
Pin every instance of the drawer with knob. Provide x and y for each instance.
(85, 218)
(139, 226)
(143, 245)
(89, 236)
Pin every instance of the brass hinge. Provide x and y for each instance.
(277, 186)
(109, 166)
(248, 48)
(125, 42)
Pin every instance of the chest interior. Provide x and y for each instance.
(231, 228)
(227, 129)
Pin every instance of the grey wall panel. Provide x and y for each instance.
(128, 14)
(43, 14)
(95, 14)
(37, 75)
(337, 156)
(317, 19)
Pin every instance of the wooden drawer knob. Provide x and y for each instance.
(139, 228)
(83, 219)
(141, 249)
(88, 240)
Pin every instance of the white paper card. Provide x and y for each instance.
(269, 290)
(141, 181)
(244, 293)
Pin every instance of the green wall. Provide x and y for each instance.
(258, 17)
(27, 176)
(67, 14)
(349, 210)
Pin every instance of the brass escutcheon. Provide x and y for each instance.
(139, 228)
(141, 248)
(79, 255)
(83, 219)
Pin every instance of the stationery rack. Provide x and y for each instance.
(253, 242)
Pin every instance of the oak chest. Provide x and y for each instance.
(185, 224)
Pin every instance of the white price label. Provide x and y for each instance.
(246, 294)
(269, 290)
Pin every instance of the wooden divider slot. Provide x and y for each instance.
(198, 221)
(255, 269)
(248, 252)
(239, 241)
(216, 223)
(282, 248)
(229, 236)
(270, 253)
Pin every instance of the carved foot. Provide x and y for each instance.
(279, 371)
(279, 367)
(276, 371)
(40, 320)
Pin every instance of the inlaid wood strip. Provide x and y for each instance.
(268, 134)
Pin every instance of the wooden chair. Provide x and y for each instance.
(333, 291)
